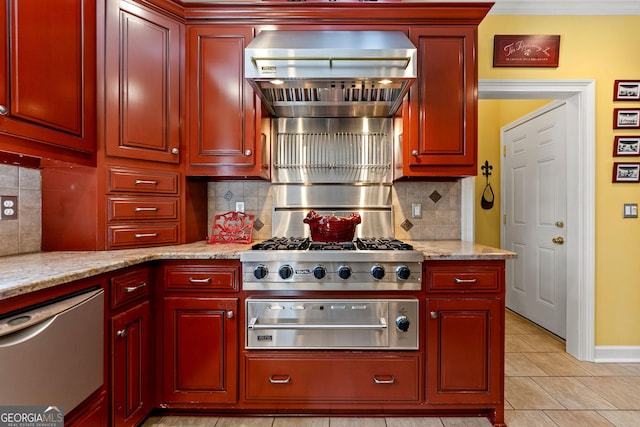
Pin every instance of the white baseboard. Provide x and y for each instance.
(617, 354)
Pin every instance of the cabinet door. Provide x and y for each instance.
(143, 84)
(49, 60)
(464, 351)
(130, 366)
(442, 108)
(222, 123)
(200, 350)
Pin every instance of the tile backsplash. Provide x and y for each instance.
(24, 234)
(441, 204)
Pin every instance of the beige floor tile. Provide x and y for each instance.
(244, 422)
(356, 422)
(622, 418)
(556, 364)
(604, 369)
(465, 422)
(545, 343)
(517, 327)
(634, 368)
(517, 344)
(518, 365)
(524, 393)
(578, 419)
(183, 421)
(621, 394)
(301, 422)
(413, 422)
(519, 418)
(572, 394)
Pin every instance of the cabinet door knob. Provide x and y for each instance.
(230, 314)
(247, 152)
(174, 151)
(433, 315)
(121, 333)
(414, 153)
(3, 110)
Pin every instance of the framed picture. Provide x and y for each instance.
(626, 172)
(626, 118)
(626, 146)
(626, 90)
(526, 51)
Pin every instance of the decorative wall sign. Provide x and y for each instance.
(626, 172)
(626, 146)
(526, 51)
(626, 90)
(626, 118)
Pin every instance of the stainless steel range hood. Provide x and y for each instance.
(331, 73)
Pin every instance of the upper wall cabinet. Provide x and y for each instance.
(440, 130)
(142, 83)
(224, 135)
(48, 88)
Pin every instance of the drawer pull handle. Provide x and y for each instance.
(465, 280)
(142, 235)
(130, 289)
(386, 381)
(145, 182)
(153, 209)
(274, 380)
(192, 280)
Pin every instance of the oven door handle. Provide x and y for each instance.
(253, 324)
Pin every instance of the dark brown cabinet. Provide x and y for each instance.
(440, 129)
(48, 92)
(130, 343)
(224, 131)
(142, 73)
(200, 333)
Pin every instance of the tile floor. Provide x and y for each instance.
(544, 386)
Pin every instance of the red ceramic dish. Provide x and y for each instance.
(331, 228)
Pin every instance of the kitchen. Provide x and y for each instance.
(449, 216)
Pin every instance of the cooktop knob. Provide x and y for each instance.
(286, 271)
(344, 272)
(260, 272)
(377, 271)
(402, 323)
(319, 272)
(403, 272)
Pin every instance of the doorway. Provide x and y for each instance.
(579, 96)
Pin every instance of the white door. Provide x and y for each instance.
(535, 208)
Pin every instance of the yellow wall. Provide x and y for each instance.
(603, 49)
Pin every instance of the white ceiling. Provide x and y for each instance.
(531, 7)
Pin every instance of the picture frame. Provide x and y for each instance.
(624, 146)
(626, 172)
(526, 50)
(626, 90)
(626, 118)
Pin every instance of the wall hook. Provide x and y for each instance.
(487, 195)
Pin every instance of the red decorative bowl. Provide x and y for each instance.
(331, 228)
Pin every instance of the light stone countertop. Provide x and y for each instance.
(21, 274)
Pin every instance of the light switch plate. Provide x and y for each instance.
(630, 210)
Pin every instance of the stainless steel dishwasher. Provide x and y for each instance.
(52, 354)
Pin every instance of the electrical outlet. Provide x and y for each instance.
(239, 206)
(9, 205)
(416, 210)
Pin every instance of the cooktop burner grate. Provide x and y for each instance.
(305, 243)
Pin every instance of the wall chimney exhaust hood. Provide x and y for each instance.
(331, 73)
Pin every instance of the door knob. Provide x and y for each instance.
(414, 153)
(559, 224)
(558, 240)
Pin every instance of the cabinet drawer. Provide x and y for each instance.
(129, 286)
(463, 278)
(333, 378)
(140, 181)
(197, 278)
(122, 236)
(149, 208)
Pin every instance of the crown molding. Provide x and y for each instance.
(566, 7)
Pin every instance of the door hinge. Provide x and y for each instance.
(504, 151)
(504, 219)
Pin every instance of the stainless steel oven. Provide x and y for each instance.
(364, 324)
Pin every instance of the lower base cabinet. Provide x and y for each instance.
(200, 350)
(95, 413)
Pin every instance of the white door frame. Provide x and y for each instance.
(580, 97)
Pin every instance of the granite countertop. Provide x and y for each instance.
(20, 274)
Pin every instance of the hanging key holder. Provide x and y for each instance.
(487, 195)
